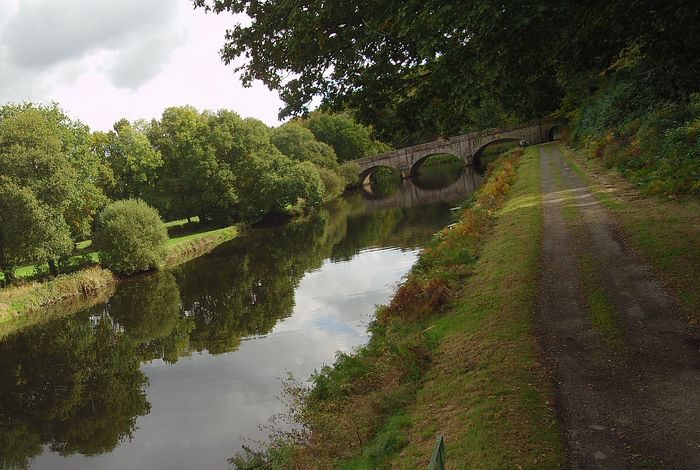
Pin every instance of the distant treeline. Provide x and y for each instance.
(56, 175)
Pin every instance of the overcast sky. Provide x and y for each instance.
(103, 60)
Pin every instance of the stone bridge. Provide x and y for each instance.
(467, 147)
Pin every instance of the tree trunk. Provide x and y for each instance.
(9, 276)
(53, 267)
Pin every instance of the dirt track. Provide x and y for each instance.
(628, 393)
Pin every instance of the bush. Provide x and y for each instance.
(333, 183)
(131, 237)
(657, 147)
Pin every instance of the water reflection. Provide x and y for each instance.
(72, 384)
(211, 338)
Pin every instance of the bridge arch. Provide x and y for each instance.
(480, 151)
(469, 147)
(413, 170)
(367, 173)
(556, 132)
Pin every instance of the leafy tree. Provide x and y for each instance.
(44, 150)
(132, 159)
(299, 143)
(422, 67)
(31, 232)
(131, 237)
(275, 184)
(333, 183)
(349, 139)
(193, 180)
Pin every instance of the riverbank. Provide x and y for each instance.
(451, 355)
(17, 303)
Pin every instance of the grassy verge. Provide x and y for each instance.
(485, 391)
(188, 247)
(664, 231)
(18, 301)
(19, 304)
(453, 354)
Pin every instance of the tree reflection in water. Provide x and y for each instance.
(74, 384)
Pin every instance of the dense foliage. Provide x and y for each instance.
(131, 237)
(51, 185)
(55, 175)
(350, 139)
(657, 145)
(416, 67)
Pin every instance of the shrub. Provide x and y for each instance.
(658, 148)
(333, 183)
(131, 237)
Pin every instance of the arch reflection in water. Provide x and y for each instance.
(411, 193)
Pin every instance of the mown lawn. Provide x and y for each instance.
(182, 229)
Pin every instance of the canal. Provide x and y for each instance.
(177, 369)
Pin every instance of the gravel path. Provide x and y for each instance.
(628, 396)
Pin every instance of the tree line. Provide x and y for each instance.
(56, 176)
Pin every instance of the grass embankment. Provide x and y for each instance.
(183, 249)
(17, 302)
(666, 232)
(453, 354)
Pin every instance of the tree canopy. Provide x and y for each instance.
(435, 66)
(56, 176)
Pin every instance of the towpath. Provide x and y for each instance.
(625, 362)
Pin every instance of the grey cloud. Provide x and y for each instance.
(44, 33)
(143, 60)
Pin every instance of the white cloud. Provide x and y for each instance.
(103, 59)
(43, 33)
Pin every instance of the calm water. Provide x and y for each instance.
(177, 366)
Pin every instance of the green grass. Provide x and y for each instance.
(187, 247)
(182, 222)
(388, 441)
(666, 232)
(194, 236)
(603, 314)
(83, 249)
(486, 391)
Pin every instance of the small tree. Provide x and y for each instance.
(131, 237)
(31, 232)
